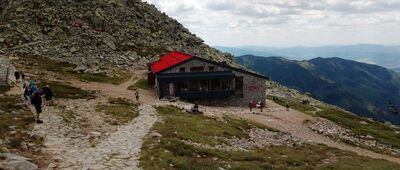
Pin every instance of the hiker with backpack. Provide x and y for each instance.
(36, 101)
(48, 95)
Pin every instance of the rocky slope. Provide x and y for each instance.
(126, 33)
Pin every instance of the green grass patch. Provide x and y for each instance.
(170, 152)
(38, 64)
(117, 78)
(65, 91)
(201, 129)
(16, 121)
(381, 132)
(360, 163)
(4, 89)
(293, 104)
(141, 84)
(120, 110)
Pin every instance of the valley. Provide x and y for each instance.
(364, 89)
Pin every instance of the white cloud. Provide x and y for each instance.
(288, 22)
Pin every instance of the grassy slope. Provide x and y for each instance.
(65, 91)
(141, 84)
(16, 122)
(169, 152)
(120, 110)
(31, 64)
(4, 89)
(293, 104)
(381, 132)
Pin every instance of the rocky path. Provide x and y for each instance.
(87, 141)
(121, 149)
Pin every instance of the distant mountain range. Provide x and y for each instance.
(365, 89)
(386, 56)
(397, 70)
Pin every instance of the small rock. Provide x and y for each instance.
(52, 165)
(155, 135)
(95, 134)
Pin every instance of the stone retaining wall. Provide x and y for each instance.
(3, 71)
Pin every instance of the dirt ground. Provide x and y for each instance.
(92, 143)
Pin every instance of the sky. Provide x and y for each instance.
(285, 23)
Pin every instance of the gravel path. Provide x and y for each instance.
(121, 149)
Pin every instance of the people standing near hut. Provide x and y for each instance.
(251, 105)
(17, 76)
(136, 93)
(48, 95)
(37, 103)
(261, 105)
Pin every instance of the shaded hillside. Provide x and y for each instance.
(361, 88)
(126, 33)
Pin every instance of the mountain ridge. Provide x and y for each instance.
(364, 89)
(387, 56)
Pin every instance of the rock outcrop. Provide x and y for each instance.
(15, 162)
(126, 33)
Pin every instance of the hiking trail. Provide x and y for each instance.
(87, 142)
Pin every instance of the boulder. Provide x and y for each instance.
(14, 162)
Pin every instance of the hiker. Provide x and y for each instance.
(16, 74)
(48, 95)
(261, 105)
(33, 87)
(37, 103)
(27, 94)
(137, 95)
(23, 76)
(287, 107)
(251, 105)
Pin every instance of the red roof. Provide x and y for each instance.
(168, 61)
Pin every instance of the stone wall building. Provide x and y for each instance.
(194, 78)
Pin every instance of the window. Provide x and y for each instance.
(226, 84)
(182, 69)
(203, 85)
(211, 68)
(194, 86)
(215, 85)
(196, 69)
(183, 86)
